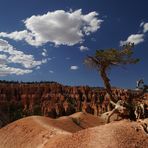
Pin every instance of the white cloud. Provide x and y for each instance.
(51, 71)
(74, 67)
(58, 27)
(141, 24)
(83, 48)
(9, 55)
(134, 38)
(6, 70)
(44, 53)
(3, 58)
(145, 27)
(38, 67)
(16, 35)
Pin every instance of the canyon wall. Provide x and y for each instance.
(51, 99)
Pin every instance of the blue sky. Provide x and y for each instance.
(49, 39)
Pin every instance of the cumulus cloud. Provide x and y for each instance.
(10, 55)
(74, 67)
(58, 27)
(44, 53)
(16, 35)
(145, 27)
(6, 70)
(134, 38)
(83, 48)
(3, 58)
(141, 24)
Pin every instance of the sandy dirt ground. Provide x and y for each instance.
(79, 130)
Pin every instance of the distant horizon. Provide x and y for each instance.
(46, 82)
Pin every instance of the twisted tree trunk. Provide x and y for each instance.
(106, 81)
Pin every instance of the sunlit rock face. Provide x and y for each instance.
(51, 99)
(18, 100)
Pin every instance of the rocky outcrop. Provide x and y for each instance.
(51, 99)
